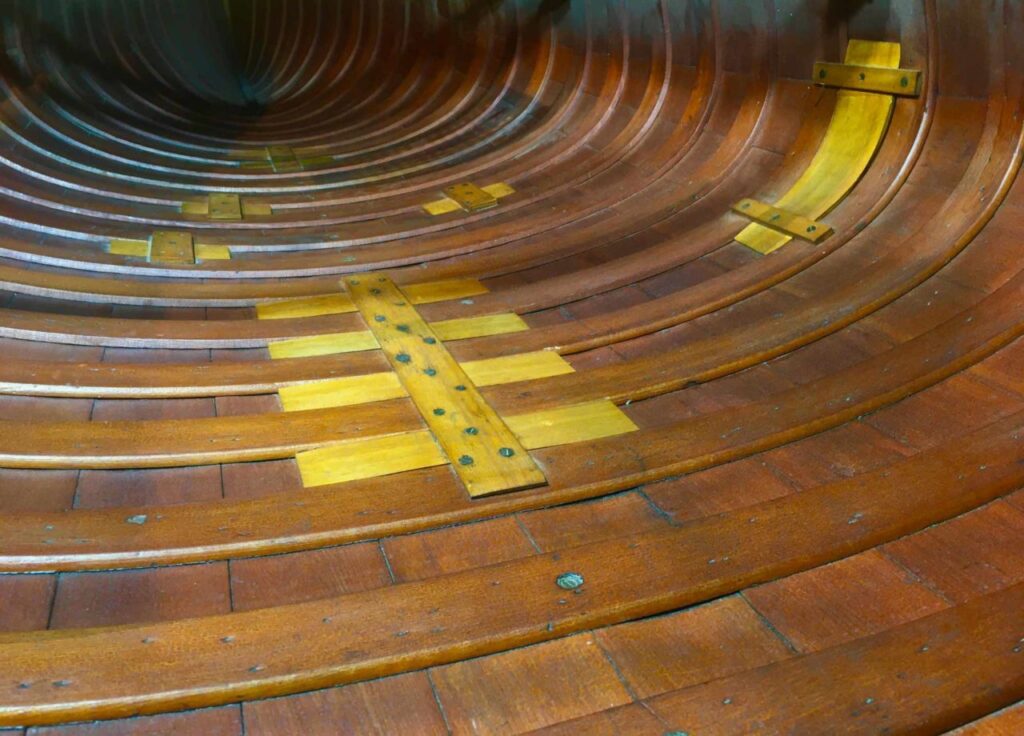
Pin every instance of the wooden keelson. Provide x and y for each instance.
(511, 366)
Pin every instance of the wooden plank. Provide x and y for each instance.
(131, 248)
(172, 246)
(340, 303)
(790, 223)
(225, 207)
(885, 80)
(471, 197)
(349, 342)
(485, 453)
(207, 252)
(371, 457)
(352, 390)
(855, 132)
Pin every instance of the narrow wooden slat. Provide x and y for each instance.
(425, 293)
(349, 342)
(790, 223)
(131, 248)
(207, 252)
(353, 390)
(484, 452)
(868, 78)
(371, 457)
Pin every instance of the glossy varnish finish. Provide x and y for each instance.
(809, 520)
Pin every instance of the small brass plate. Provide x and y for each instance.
(784, 221)
(471, 197)
(885, 80)
(225, 207)
(172, 246)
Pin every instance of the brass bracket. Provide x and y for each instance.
(169, 246)
(784, 221)
(885, 80)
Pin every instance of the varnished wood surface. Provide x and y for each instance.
(823, 487)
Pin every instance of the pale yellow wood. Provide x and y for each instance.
(484, 452)
(207, 252)
(369, 458)
(313, 306)
(512, 368)
(491, 324)
(372, 457)
(885, 80)
(567, 424)
(132, 248)
(225, 207)
(789, 223)
(499, 190)
(442, 207)
(199, 207)
(347, 391)
(256, 209)
(353, 390)
(337, 342)
(858, 124)
(172, 246)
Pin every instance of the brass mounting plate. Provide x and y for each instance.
(225, 207)
(471, 197)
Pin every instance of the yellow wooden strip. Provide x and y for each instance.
(484, 452)
(442, 207)
(172, 246)
(858, 124)
(312, 306)
(207, 252)
(225, 207)
(499, 190)
(491, 324)
(256, 209)
(133, 248)
(567, 424)
(372, 457)
(196, 207)
(369, 458)
(353, 390)
(512, 368)
(868, 78)
(440, 291)
(347, 391)
(471, 197)
(789, 223)
(329, 344)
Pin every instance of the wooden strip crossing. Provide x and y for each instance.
(855, 132)
(790, 223)
(484, 452)
(469, 198)
(865, 78)
(340, 303)
(353, 390)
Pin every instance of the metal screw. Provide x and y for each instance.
(380, 318)
(506, 452)
(439, 412)
(138, 519)
(904, 81)
(862, 77)
(382, 279)
(460, 387)
(465, 460)
(403, 358)
(822, 74)
(430, 340)
(375, 291)
(774, 217)
(402, 328)
(745, 205)
(569, 580)
(430, 372)
(472, 431)
(811, 228)
(354, 282)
